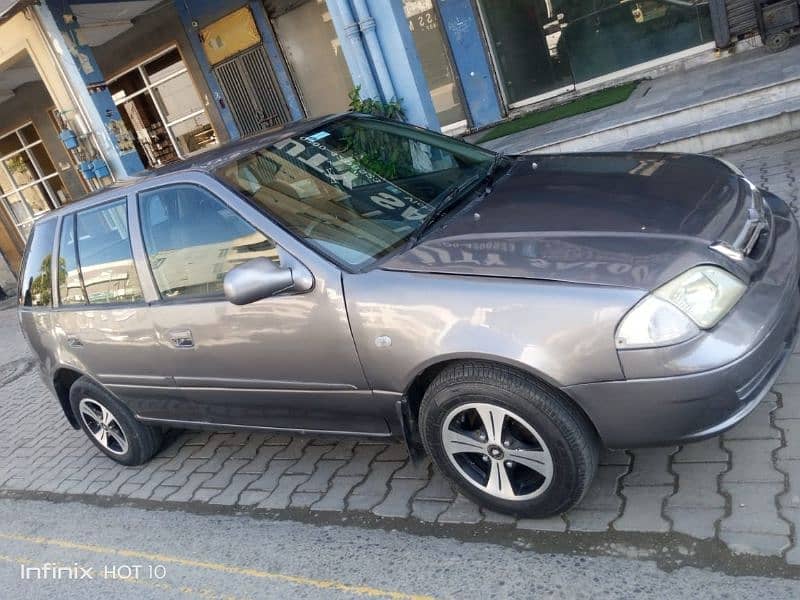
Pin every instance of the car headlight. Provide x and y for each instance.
(654, 322)
(696, 299)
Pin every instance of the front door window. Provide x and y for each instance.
(193, 239)
(29, 181)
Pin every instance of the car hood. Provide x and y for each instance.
(624, 219)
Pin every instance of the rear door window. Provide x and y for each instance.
(70, 286)
(105, 256)
(36, 285)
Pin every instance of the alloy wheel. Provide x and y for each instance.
(497, 451)
(103, 426)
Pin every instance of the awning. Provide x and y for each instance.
(8, 8)
(99, 21)
(102, 21)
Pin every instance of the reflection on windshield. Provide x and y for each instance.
(357, 188)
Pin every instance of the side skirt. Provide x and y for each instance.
(205, 426)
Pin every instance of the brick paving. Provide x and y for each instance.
(742, 488)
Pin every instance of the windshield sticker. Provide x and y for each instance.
(320, 135)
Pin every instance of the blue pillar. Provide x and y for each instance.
(367, 26)
(355, 54)
(473, 66)
(94, 80)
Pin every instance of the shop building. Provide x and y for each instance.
(37, 103)
(93, 91)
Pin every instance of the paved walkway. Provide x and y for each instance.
(722, 78)
(741, 490)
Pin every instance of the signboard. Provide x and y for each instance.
(230, 35)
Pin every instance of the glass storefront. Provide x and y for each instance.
(311, 48)
(160, 105)
(426, 29)
(542, 45)
(29, 181)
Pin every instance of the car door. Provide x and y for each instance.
(286, 362)
(101, 319)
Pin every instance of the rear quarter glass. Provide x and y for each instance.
(35, 283)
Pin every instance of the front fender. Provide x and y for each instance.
(564, 333)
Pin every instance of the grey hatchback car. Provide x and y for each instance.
(508, 315)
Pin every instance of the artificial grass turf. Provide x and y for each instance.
(584, 104)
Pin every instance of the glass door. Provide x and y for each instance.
(543, 46)
(160, 104)
(525, 42)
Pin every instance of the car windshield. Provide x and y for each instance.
(355, 189)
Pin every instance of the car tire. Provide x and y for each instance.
(111, 426)
(544, 445)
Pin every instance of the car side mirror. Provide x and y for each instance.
(261, 278)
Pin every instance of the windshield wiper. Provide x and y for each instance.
(450, 198)
(454, 195)
(491, 172)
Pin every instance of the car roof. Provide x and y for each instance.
(202, 161)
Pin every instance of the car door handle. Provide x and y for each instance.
(74, 342)
(181, 339)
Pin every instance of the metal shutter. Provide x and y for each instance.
(252, 92)
(741, 16)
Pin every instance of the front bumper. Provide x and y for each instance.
(752, 344)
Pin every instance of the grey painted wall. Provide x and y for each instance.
(151, 33)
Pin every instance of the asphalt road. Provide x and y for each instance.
(183, 555)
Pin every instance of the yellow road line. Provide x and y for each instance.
(323, 584)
